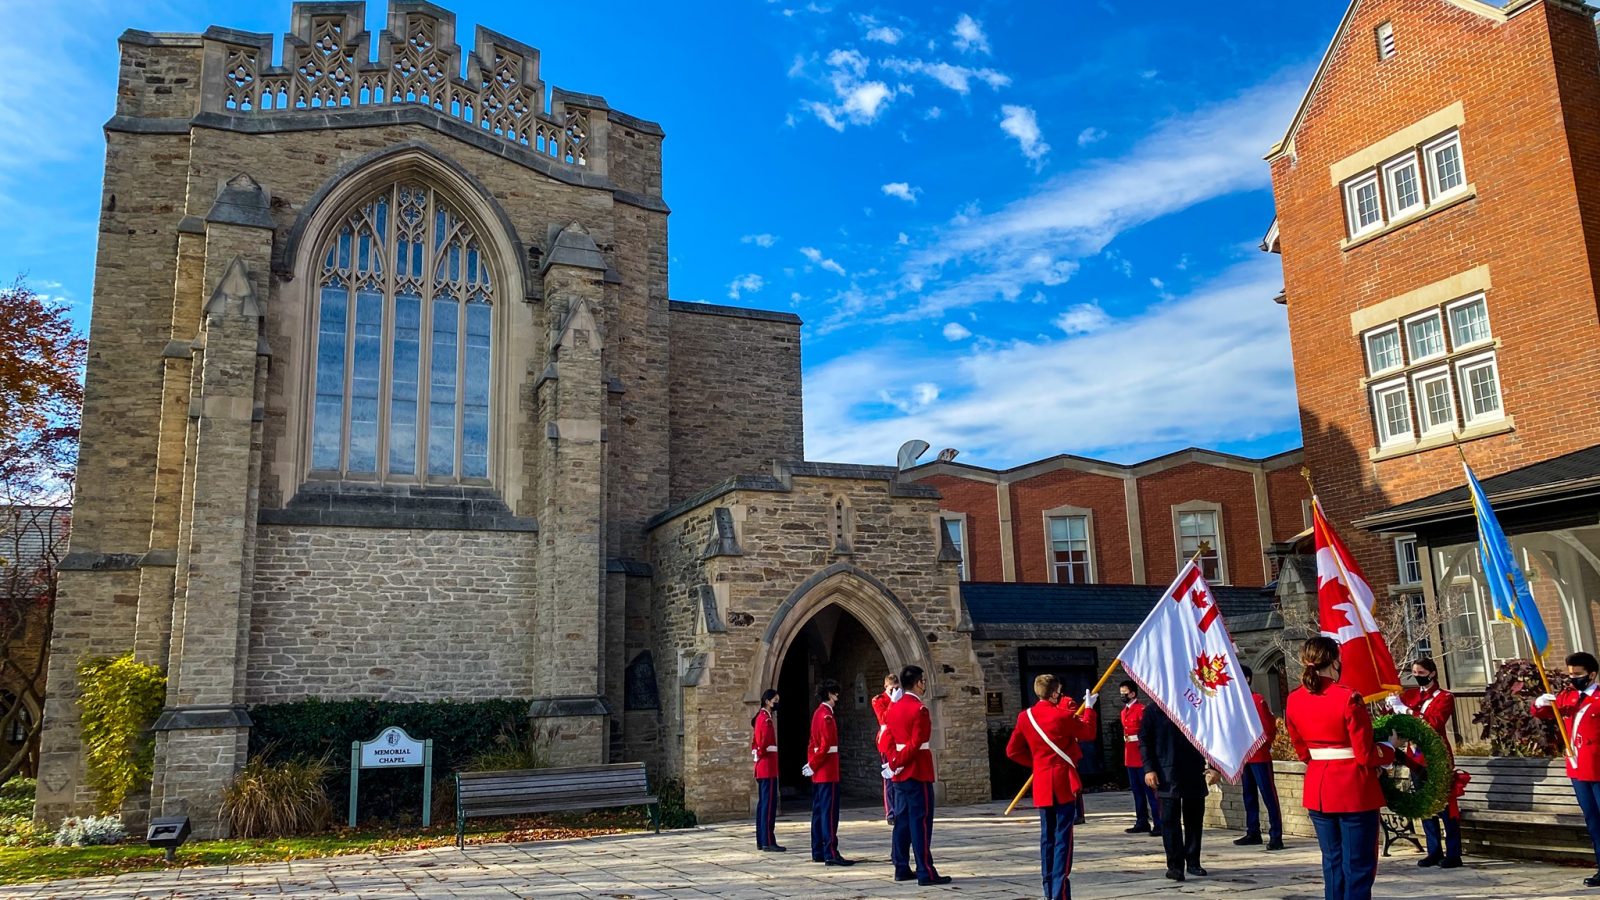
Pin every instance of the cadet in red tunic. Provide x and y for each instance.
(1258, 780)
(822, 765)
(1332, 732)
(764, 750)
(1579, 712)
(1046, 740)
(1146, 808)
(910, 766)
(880, 708)
(1435, 706)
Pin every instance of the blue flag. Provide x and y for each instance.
(1513, 599)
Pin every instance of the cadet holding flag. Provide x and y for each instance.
(1046, 740)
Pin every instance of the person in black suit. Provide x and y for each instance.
(1177, 773)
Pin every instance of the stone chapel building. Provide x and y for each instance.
(387, 398)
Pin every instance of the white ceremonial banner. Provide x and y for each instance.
(1183, 659)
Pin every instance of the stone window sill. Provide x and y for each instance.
(1467, 193)
(1433, 442)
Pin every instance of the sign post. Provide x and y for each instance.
(393, 749)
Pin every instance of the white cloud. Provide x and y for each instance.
(932, 113)
(760, 240)
(883, 34)
(818, 260)
(918, 398)
(969, 35)
(902, 239)
(1021, 123)
(745, 284)
(1208, 368)
(858, 101)
(1083, 318)
(1158, 284)
(902, 190)
(956, 78)
(955, 331)
(1091, 135)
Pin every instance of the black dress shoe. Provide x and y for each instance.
(1197, 870)
(1175, 875)
(930, 882)
(1248, 840)
(905, 875)
(1428, 861)
(1450, 862)
(1592, 880)
(1137, 829)
(774, 848)
(1155, 833)
(1275, 845)
(818, 859)
(841, 861)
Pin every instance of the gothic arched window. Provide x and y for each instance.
(404, 308)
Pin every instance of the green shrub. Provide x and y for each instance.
(90, 831)
(673, 813)
(119, 699)
(278, 799)
(19, 831)
(16, 797)
(512, 749)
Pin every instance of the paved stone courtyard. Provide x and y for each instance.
(989, 856)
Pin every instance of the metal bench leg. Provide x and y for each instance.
(655, 816)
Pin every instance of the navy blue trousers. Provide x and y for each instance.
(1055, 848)
(1145, 809)
(824, 820)
(1589, 801)
(1258, 780)
(1349, 853)
(913, 829)
(766, 812)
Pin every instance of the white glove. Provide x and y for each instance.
(755, 756)
(888, 773)
(1396, 704)
(1545, 700)
(807, 771)
(1090, 699)
(895, 695)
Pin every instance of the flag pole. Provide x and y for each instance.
(1372, 656)
(1205, 547)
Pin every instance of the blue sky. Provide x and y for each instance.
(1012, 228)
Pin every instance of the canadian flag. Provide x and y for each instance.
(1183, 659)
(1344, 613)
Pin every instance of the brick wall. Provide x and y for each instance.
(1159, 492)
(1065, 487)
(977, 499)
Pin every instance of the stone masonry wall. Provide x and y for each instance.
(392, 615)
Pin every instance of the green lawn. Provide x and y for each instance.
(20, 864)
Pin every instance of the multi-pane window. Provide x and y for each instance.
(1386, 45)
(404, 317)
(1196, 527)
(1405, 552)
(1445, 375)
(1405, 185)
(1069, 550)
(955, 528)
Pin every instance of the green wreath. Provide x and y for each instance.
(1425, 800)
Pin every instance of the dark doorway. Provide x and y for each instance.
(1078, 668)
(832, 644)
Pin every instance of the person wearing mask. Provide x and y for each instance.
(1436, 707)
(822, 767)
(1581, 721)
(764, 751)
(1146, 809)
(910, 767)
(880, 709)
(1260, 787)
(1044, 740)
(1176, 771)
(1331, 731)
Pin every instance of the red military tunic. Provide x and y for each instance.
(822, 753)
(880, 708)
(1132, 714)
(1332, 733)
(1269, 727)
(1055, 780)
(1434, 706)
(1582, 718)
(764, 745)
(910, 728)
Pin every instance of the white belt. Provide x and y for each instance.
(1327, 753)
(833, 749)
(1130, 739)
(903, 746)
(772, 749)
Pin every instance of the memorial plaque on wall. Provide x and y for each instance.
(993, 703)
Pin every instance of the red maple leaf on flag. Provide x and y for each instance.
(1211, 670)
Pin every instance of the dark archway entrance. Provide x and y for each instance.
(832, 644)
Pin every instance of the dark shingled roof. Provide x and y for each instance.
(1010, 603)
(1574, 474)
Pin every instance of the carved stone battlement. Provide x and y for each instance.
(328, 64)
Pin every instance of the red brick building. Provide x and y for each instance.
(1068, 519)
(1438, 201)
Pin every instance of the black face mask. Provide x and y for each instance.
(1581, 682)
(1423, 680)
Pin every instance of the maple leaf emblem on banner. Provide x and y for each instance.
(1210, 672)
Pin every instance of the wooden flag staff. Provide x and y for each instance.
(1205, 547)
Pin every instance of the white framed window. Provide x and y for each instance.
(1361, 204)
(956, 528)
(1383, 350)
(1068, 537)
(1436, 404)
(1469, 322)
(1446, 172)
(1391, 404)
(1425, 336)
(1385, 36)
(1201, 526)
(1403, 181)
(1479, 378)
(1406, 561)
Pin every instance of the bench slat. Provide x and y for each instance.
(493, 787)
(522, 791)
(588, 803)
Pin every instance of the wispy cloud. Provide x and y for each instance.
(883, 34)
(956, 78)
(1083, 318)
(1091, 135)
(969, 35)
(760, 240)
(902, 190)
(1021, 123)
(955, 331)
(745, 284)
(820, 261)
(858, 100)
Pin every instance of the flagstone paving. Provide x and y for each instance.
(988, 855)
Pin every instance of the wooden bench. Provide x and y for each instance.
(1522, 808)
(522, 791)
